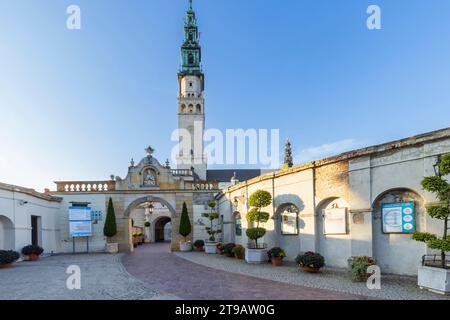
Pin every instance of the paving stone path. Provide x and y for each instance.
(102, 278)
(169, 273)
(337, 280)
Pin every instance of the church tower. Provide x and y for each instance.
(191, 103)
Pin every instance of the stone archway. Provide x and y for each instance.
(159, 229)
(142, 201)
(7, 237)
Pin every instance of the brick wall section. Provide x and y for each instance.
(332, 181)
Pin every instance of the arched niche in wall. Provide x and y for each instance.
(149, 176)
(7, 234)
(333, 231)
(237, 223)
(396, 213)
(287, 229)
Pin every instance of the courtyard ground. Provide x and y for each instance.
(152, 272)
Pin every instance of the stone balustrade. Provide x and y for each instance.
(85, 186)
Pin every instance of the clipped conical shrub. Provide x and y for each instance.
(185, 223)
(110, 228)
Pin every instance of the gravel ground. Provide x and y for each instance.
(392, 287)
(103, 277)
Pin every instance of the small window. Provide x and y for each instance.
(190, 84)
(238, 224)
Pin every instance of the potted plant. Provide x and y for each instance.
(8, 257)
(199, 245)
(147, 226)
(212, 231)
(219, 247)
(257, 253)
(110, 229)
(140, 238)
(135, 239)
(32, 252)
(239, 252)
(228, 250)
(310, 261)
(276, 256)
(359, 268)
(436, 276)
(185, 229)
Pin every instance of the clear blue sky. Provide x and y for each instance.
(80, 104)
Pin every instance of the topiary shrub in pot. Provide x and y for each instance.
(257, 252)
(276, 256)
(185, 229)
(310, 261)
(32, 252)
(239, 252)
(431, 275)
(199, 245)
(211, 230)
(110, 229)
(228, 249)
(8, 257)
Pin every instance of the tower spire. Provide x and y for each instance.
(190, 4)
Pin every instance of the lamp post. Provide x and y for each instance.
(148, 211)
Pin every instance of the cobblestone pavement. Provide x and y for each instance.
(102, 278)
(167, 272)
(392, 287)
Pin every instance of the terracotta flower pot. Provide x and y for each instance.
(229, 255)
(310, 270)
(277, 261)
(199, 249)
(7, 265)
(33, 257)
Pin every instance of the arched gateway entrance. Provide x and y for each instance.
(155, 211)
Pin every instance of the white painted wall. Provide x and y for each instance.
(16, 209)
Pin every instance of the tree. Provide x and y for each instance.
(211, 216)
(441, 188)
(185, 222)
(110, 227)
(258, 200)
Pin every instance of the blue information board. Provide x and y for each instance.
(398, 217)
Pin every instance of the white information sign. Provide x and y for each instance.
(335, 221)
(80, 222)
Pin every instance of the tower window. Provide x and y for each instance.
(191, 58)
(190, 84)
(199, 108)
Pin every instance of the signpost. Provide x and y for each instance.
(398, 217)
(80, 224)
(335, 221)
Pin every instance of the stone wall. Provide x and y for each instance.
(359, 181)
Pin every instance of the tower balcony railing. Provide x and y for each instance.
(182, 172)
(202, 185)
(85, 186)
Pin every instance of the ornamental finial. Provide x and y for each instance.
(190, 4)
(149, 151)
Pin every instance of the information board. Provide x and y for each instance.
(398, 217)
(335, 221)
(80, 222)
